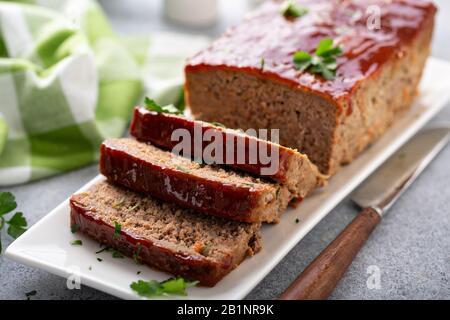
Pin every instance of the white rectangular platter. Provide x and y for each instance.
(46, 245)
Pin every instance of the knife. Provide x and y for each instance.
(375, 196)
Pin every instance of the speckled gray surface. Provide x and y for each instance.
(411, 247)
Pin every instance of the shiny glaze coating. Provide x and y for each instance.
(157, 128)
(185, 189)
(267, 36)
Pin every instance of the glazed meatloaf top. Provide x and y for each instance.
(268, 36)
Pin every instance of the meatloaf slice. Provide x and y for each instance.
(290, 167)
(162, 235)
(248, 79)
(209, 189)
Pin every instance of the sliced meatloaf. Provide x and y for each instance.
(162, 235)
(247, 78)
(287, 166)
(209, 189)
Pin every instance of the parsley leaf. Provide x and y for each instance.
(291, 10)
(117, 255)
(107, 249)
(17, 225)
(7, 202)
(323, 62)
(74, 228)
(137, 253)
(153, 106)
(117, 229)
(218, 124)
(153, 288)
(77, 243)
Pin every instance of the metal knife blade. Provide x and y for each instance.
(385, 186)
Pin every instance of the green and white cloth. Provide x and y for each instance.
(67, 82)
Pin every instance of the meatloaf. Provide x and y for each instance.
(247, 78)
(237, 149)
(162, 235)
(209, 189)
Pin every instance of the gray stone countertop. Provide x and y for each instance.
(411, 247)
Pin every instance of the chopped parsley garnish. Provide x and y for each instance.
(119, 203)
(278, 192)
(136, 254)
(99, 259)
(153, 106)
(153, 288)
(77, 243)
(263, 63)
(218, 124)
(134, 207)
(108, 249)
(181, 168)
(138, 272)
(117, 229)
(206, 249)
(291, 10)
(322, 62)
(17, 223)
(74, 227)
(117, 255)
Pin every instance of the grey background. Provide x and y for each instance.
(411, 246)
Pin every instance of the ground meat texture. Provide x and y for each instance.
(208, 189)
(162, 235)
(331, 121)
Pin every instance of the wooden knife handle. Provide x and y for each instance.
(320, 278)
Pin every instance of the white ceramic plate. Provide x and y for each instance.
(46, 244)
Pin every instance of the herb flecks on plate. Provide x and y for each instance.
(153, 288)
(115, 254)
(292, 10)
(77, 243)
(322, 62)
(17, 223)
(170, 109)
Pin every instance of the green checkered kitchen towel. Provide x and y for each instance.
(67, 82)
